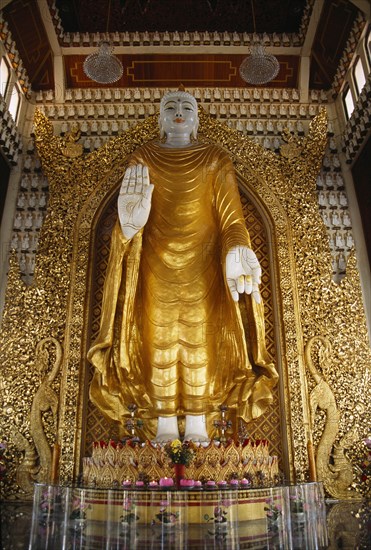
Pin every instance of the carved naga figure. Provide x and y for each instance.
(27, 469)
(333, 467)
(45, 399)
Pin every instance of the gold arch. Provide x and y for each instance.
(282, 187)
(258, 168)
(252, 185)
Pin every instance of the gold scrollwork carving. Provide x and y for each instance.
(69, 146)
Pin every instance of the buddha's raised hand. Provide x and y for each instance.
(243, 272)
(134, 202)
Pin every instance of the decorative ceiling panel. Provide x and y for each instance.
(90, 16)
(332, 33)
(171, 70)
(29, 34)
(181, 15)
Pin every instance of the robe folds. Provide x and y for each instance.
(171, 338)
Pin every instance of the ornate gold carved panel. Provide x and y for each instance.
(305, 302)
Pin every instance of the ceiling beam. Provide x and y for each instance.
(59, 80)
(304, 70)
(183, 49)
(49, 26)
(4, 3)
(312, 27)
(364, 6)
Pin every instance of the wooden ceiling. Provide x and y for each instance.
(26, 26)
(332, 34)
(28, 32)
(181, 15)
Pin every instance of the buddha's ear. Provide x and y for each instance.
(162, 132)
(194, 131)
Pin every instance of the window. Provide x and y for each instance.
(4, 76)
(348, 102)
(359, 75)
(15, 100)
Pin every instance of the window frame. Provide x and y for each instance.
(7, 65)
(367, 48)
(15, 89)
(357, 88)
(347, 90)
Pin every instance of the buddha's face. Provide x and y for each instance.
(178, 114)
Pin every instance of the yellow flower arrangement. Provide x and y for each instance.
(180, 453)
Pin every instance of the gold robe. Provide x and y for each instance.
(171, 338)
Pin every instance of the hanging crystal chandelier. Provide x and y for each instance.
(103, 66)
(260, 67)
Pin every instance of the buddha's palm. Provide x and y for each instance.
(134, 202)
(243, 272)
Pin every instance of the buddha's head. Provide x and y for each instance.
(178, 114)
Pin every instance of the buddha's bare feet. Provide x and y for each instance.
(195, 429)
(165, 438)
(196, 438)
(167, 429)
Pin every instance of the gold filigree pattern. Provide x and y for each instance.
(306, 302)
(69, 146)
(109, 464)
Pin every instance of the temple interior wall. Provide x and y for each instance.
(261, 114)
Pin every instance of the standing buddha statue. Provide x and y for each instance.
(171, 338)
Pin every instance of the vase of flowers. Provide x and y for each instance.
(273, 513)
(165, 517)
(297, 509)
(181, 455)
(128, 515)
(78, 514)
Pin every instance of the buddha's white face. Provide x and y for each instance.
(179, 116)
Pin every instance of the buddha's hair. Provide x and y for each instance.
(177, 93)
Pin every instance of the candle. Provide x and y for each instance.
(126, 483)
(187, 482)
(55, 463)
(245, 482)
(312, 462)
(210, 483)
(139, 483)
(153, 484)
(166, 482)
